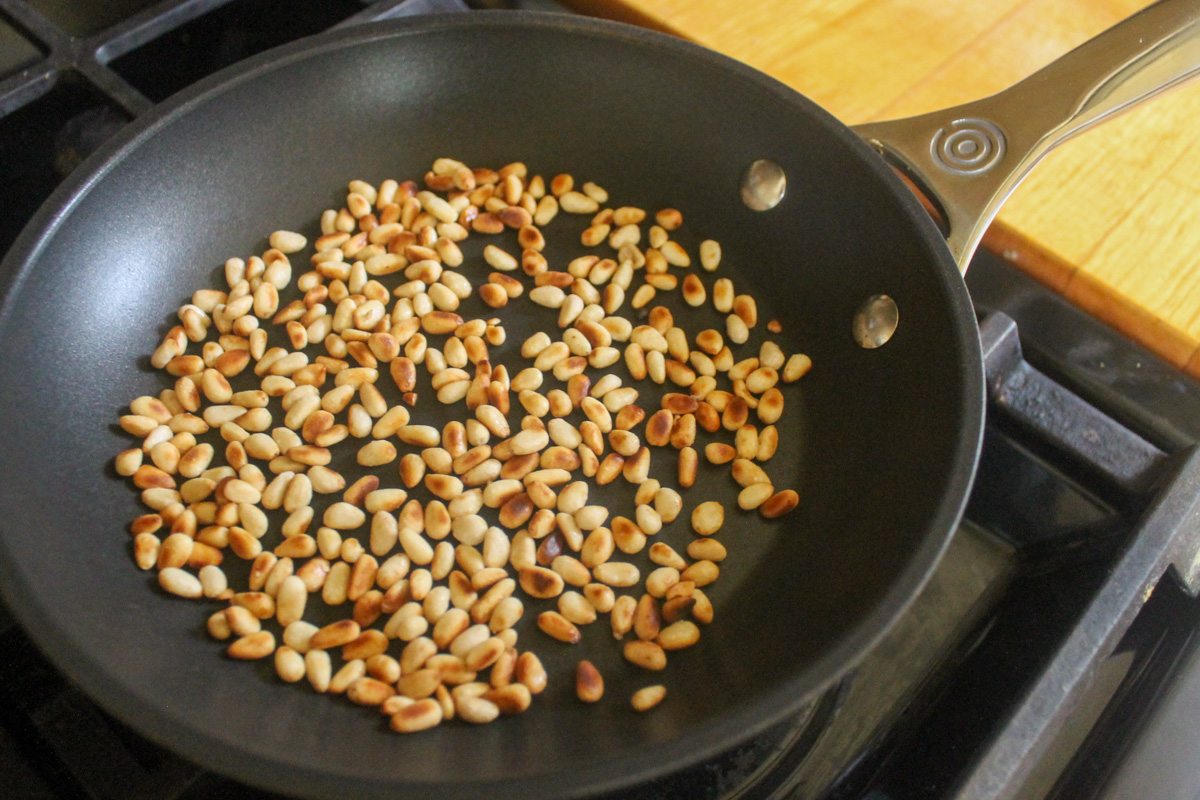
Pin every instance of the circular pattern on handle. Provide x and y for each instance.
(968, 146)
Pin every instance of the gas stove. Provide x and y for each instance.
(1052, 654)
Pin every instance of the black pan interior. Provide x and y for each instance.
(880, 444)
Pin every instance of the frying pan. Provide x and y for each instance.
(880, 442)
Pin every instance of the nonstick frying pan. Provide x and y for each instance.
(881, 442)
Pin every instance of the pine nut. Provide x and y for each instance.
(706, 550)
(622, 615)
(511, 699)
(589, 518)
(571, 569)
(421, 715)
(779, 504)
(768, 443)
(589, 684)
(344, 516)
(688, 463)
(616, 573)
(708, 517)
(661, 579)
(558, 627)
(648, 697)
(576, 608)
(180, 583)
(796, 367)
(645, 654)
(252, 646)
(736, 329)
(694, 293)
(647, 619)
(678, 635)
(755, 495)
(701, 573)
(723, 296)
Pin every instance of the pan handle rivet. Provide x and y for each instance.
(876, 321)
(763, 185)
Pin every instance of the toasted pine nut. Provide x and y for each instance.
(421, 715)
(678, 635)
(723, 295)
(559, 627)
(664, 555)
(589, 684)
(694, 293)
(779, 504)
(688, 463)
(622, 615)
(770, 406)
(645, 654)
(253, 646)
(541, 583)
(706, 550)
(701, 573)
(530, 673)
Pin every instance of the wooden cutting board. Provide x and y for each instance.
(1111, 219)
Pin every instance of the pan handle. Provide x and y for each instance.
(968, 159)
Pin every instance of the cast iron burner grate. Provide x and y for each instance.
(1025, 669)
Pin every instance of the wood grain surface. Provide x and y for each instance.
(1111, 219)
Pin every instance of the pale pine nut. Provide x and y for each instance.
(213, 581)
(661, 579)
(708, 517)
(617, 573)
(796, 367)
(180, 583)
(755, 495)
(706, 550)
(736, 329)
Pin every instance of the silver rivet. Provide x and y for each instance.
(876, 321)
(763, 185)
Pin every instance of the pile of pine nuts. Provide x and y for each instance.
(381, 301)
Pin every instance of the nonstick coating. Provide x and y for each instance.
(881, 444)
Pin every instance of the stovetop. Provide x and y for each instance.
(1052, 654)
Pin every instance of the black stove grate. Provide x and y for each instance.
(73, 72)
(1086, 496)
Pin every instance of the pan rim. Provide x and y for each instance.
(702, 742)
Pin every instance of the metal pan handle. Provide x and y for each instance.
(969, 158)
